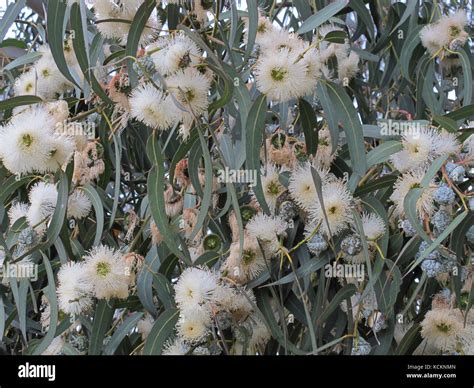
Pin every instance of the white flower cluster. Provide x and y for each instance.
(44, 79)
(446, 328)
(436, 203)
(261, 242)
(30, 141)
(421, 147)
(182, 97)
(272, 224)
(42, 204)
(103, 274)
(125, 11)
(289, 67)
(207, 303)
(447, 34)
(333, 213)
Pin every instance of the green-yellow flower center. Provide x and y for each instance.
(454, 31)
(247, 213)
(278, 74)
(189, 95)
(248, 256)
(27, 140)
(184, 61)
(443, 327)
(273, 188)
(103, 269)
(151, 112)
(262, 27)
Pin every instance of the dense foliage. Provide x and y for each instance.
(230, 177)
